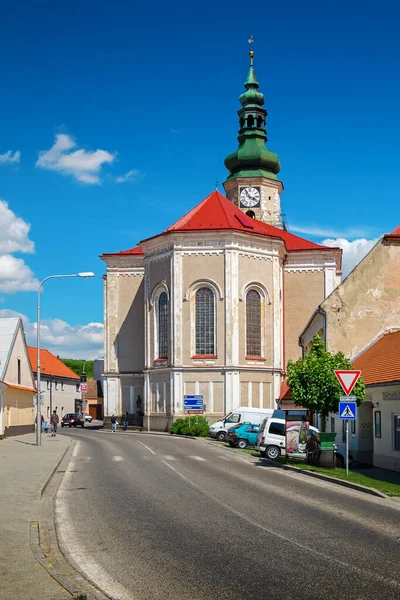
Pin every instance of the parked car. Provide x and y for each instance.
(239, 415)
(88, 418)
(340, 453)
(72, 420)
(245, 435)
(271, 440)
(230, 431)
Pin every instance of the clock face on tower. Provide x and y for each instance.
(250, 197)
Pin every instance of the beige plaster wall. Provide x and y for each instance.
(388, 399)
(19, 351)
(253, 271)
(130, 323)
(211, 385)
(194, 268)
(366, 303)
(303, 292)
(256, 389)
(18, 408)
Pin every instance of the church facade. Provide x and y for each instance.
(214, 304)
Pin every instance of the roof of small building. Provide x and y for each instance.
(136, 250)
(380, 363)
(394, 235)
(8, 330)
(50, 364)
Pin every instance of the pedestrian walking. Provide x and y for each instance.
(125, 420)
(54, 420)
(46, 427)
(113, 423)
(41, 422)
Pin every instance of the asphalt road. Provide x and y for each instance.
(153, 517)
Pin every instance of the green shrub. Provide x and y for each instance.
(198, 426)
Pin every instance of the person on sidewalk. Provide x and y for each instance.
(54, 420)
(113, 423)
(41, 422)
(46, 427)
(125, 420)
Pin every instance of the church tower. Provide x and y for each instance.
(252, 184)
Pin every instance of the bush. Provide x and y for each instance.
(198, 426)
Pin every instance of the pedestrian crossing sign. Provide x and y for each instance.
(348, 410)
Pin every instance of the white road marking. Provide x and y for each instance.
(168, 457)
(86, 458)
(117, 458)
(76, 449)
(198, 458)
(147, 448)
(223, 457)
(284, 538)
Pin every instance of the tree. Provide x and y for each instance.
(313, 383)
(79, 366)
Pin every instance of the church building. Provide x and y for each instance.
(214, 304)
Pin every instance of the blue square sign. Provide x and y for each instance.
(348, 408)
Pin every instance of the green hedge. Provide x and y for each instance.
(198, 426)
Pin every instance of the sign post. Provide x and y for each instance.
(193, 405)
(347, 404)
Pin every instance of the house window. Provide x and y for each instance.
(78, 385)
(253, 323)
(378, 432)
(205, 322)
(62, 386)
(56, 385)
(163, 326)
(19, 371)
(396, 432)
(48, 384)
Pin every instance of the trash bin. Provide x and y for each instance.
(327, 457)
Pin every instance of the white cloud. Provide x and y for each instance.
(14, 231)
(84, 165)
(62, 339)
(328, 232)
(353, 251)
(131, 175)
(15, 275)
(9, 157)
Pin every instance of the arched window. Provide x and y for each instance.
(251, 214)
(205, 321)
(253, 323)
(163, 326)
(250, 121)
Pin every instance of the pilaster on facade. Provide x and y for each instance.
(176, 309)
(232, 307)
(112, 402)
(277, 314)
(232, 390)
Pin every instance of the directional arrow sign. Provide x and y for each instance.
(347, 380)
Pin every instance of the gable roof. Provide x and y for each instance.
(380, 363)
(8, 331)
(50, 364)
(217, 213)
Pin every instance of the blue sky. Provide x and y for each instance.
(152, 89)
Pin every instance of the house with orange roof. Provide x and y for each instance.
(380, 366)
(357, 313)
(60, 386)
(17, 386)
(214, 304)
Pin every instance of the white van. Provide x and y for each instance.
(243, 414)
(271, 440)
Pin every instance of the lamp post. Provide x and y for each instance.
(38, 409)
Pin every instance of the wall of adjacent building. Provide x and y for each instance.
(386, 400)
(64, 393)
(18, 414)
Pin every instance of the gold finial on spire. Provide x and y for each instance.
(251, 53)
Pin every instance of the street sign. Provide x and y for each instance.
(193, 404)
(83, 388)
(347, 380)
(348, 408)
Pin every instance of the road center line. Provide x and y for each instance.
(168, 457)
(117, 458)
(198, 458)
(391, 583)
(147, 448)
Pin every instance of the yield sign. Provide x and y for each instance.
(347, 380)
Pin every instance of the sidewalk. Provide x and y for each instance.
(24, 470)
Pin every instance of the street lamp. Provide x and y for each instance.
(38, 409)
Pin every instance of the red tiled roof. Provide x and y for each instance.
(285, 392)
(136, 250)
(395, 234)
(50, 364)
(217, 213)
(21, 387)
(381, 362)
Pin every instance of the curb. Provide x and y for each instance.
(321, 476)
(46, 483)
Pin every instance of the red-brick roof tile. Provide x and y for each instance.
(50, 364)
(380, 363)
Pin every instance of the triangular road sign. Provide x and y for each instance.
(347, 413)
(347, 380)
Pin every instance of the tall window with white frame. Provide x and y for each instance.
(163, 326)
(205, 322)
(396, 432)
(253, 323)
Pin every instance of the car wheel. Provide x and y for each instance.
(220, 436)
(74, 424)
(242, 443)
(62, 424)
(70, 425)
(339, 461)
(83, 425)
(272, 452)
(232, 444)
